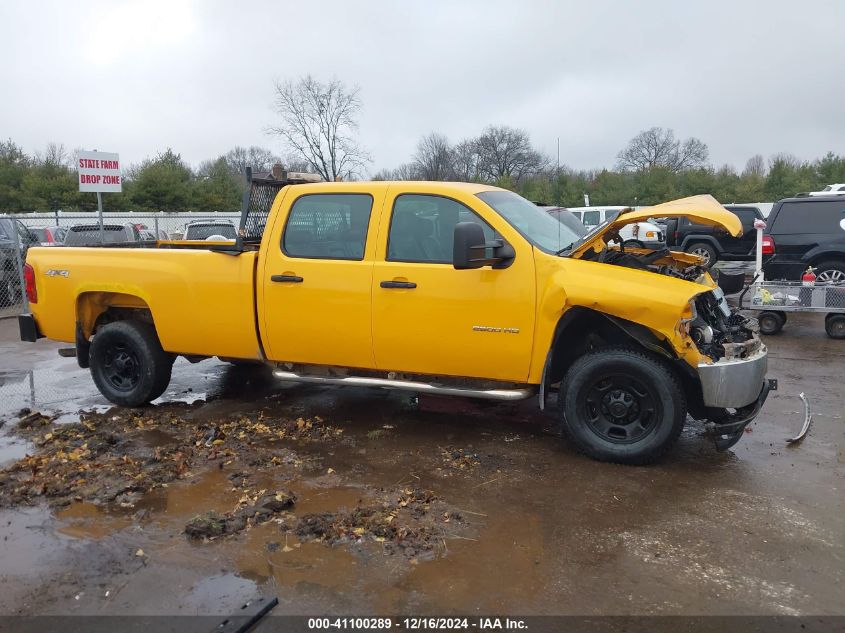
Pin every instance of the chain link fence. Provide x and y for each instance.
(19, 233)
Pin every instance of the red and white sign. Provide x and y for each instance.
(99, 171)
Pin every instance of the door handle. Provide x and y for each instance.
(398, 284)
(292, 279)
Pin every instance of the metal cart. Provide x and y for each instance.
(775, 299)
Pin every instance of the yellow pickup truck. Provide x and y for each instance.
(431, 287)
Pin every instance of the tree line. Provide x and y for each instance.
(47, 181)
(317, 125)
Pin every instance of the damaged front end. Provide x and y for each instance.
(732, 373)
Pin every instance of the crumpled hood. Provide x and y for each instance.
(704, 209)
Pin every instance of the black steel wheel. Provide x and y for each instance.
(121, 367)
(771, 322)
(621, 404)
(128, 364)
(834, 325)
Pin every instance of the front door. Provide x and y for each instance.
(429, 318)
(316, 278)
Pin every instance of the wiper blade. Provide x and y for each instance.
(565, 248)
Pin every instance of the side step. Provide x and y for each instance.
(408, 385)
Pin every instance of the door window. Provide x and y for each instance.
(591, 218)
(422, 228)
(328, 226)
(746, 215)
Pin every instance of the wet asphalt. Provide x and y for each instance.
(759, 529)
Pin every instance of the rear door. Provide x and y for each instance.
(316, 277)
(429, 318)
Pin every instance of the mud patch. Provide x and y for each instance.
(249, 513)
(413, 522)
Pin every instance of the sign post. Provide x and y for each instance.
(100, 172)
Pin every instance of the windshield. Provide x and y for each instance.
(535, 224)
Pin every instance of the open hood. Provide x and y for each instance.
(699, 209)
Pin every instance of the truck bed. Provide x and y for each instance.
(202, 302)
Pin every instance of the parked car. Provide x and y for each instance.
(803, 232)
(713, 244)
(212, 230)
(837, 189)
(644, 234)
(567, 218)
(49, 235)
(446, 288)
(13, 249)
(89, 234)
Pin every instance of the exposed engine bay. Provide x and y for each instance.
(719, 331)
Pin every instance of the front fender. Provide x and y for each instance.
(692, 239)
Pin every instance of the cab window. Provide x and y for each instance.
(422, 228)
(328, 226)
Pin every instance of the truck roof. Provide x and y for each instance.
(371, 185)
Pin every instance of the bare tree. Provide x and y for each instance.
(506, 152)
(259, 158)
(405, 171)
(319, 123)
(55, 155)
(658, 147)
(755, 166)
(433, 158)
(465, 161)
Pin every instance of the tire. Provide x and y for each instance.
(705, 251)
(622, 405)
(830, 270)
(128, 364)
(633, 244)
(834, 325)
(771, 322)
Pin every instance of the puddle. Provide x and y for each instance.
(86, 520)
(12, 449)
(221, 594)
(267, 553)
(210, 492)
(311, 499)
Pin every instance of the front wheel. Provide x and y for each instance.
(620, 404)
(128, 364)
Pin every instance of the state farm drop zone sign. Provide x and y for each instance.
(99, 171)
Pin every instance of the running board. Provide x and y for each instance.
(408, 385)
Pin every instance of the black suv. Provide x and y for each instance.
(806, 231)
(712, 243)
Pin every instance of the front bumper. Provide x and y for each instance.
(733, 383)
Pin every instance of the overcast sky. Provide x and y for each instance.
(138, 76)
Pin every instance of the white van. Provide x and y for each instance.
(637, 234)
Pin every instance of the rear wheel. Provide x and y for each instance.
(633, 244)
(619, 404)
(832, 270)
(834, 325)
(128, 364)
(771, 322)
(707, 253)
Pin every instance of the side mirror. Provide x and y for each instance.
(469, 248)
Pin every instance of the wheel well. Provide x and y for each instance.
(582, 329)
(96, 309)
